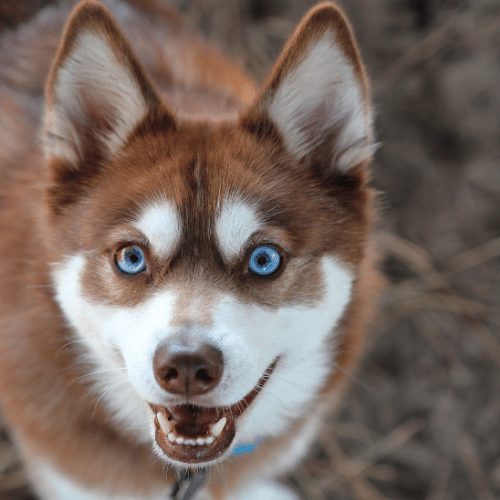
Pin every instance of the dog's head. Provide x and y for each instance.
(204, 267)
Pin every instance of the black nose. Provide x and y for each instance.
(186, 370)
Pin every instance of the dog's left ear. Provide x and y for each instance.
(317, 98)
(96, 94)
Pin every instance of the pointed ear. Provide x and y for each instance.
(97, 93)
(317, 98)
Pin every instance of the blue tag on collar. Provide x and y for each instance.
(245, 448)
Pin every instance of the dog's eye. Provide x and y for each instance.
(264, 260)
(131, 260)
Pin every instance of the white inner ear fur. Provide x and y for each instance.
(92, 75)
(236, 222)
(322, 95)
(161, 224)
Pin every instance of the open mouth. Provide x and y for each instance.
(195, 434)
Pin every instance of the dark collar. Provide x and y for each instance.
(188, 484)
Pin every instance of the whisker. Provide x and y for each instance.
(98, 372)
(104, 393)
(83, 341)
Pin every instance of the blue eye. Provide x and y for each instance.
(264, 260)
(131, 260)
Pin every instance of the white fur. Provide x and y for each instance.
(296, 333)
(264, 490)
(51, 484)
(236, 222)
(135, 332)
(250, 337)
(161, 224)
(92, 73)
(321, 96)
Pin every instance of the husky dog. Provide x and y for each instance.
(186, 262)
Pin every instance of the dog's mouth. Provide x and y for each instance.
(195, 434)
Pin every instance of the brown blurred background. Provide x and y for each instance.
(421, 419)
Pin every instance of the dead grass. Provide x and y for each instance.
(421, 418)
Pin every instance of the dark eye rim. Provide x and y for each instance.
(283, 261)
(122, 247)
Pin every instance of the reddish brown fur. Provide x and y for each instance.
(324, 17)
(45, 216)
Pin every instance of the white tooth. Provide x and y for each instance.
(171, 437)
(210, 439)
(165, 425)
(190, 442)
(200, 441)
(179, 440)
(217, 428)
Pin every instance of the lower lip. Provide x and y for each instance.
(211, 442)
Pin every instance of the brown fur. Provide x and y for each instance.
(43, 217)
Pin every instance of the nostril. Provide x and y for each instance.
(203, 375)
(170, 374)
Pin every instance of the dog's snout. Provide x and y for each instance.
(184, 370)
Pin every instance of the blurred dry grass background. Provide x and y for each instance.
(421, 419)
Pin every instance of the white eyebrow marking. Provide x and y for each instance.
(161, 224)
(236, 222)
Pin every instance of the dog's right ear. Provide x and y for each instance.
(317, 100)
(97, 93)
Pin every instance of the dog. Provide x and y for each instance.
(187, 262)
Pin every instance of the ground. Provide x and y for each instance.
(421, 417)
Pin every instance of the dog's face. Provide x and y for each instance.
(205, 267)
